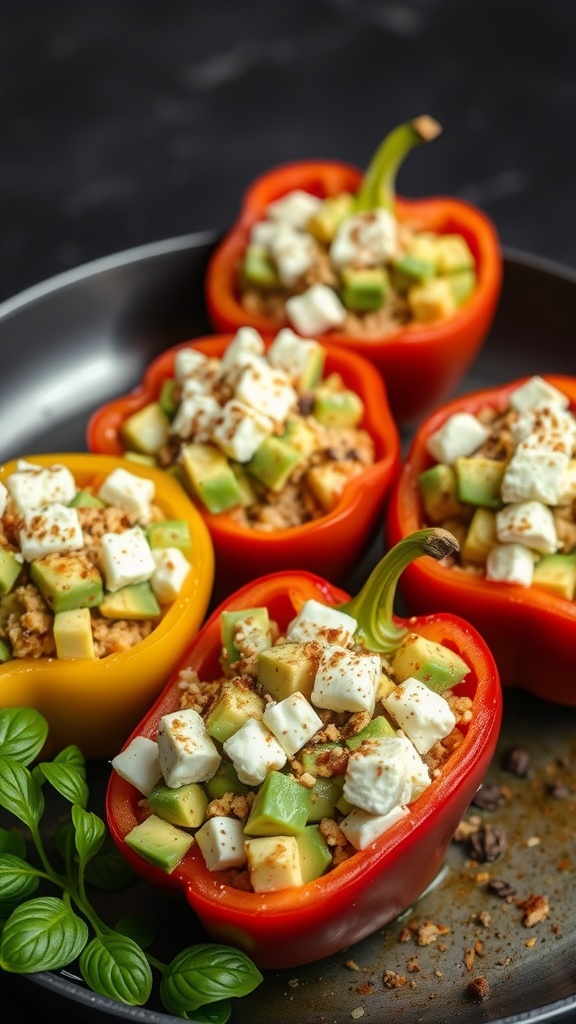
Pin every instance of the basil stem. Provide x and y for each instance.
(377, 188)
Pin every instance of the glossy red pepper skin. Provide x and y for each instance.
(421, 363)
(331, 545)
(531, 632)
(296, 926)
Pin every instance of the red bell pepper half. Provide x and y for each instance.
(299, 925)
(421, 362)
(531, 632)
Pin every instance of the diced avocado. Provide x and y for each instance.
(159, 842)
(313, 758)
(300, 436)
(365, 288)
(453, 254)
(343, 805)
(375, 729)
(480, 480)
(273, 462)
(281, 807)
(423, 246)
(146, 430)
(259, 269)
(439, 491)
(184, 805)
(170, 533)
(343, 408)
(430, 662)
(409, 269)
(557, 574)
(85, 499)
(10, 569)
(73, 634)
(245, 485)
(325, 795)
(243, 632)
(480, 537)
(431, 301)
(167, 399)
(225, 780)
(9, 605)
(135, 602)
(462, 283)
(67, 580)
(311, 372)
(315, 856)
(211, 477)
(5, 652)
(140, 458)
(286, 668)
(325, 222)
(273, 863)
(327, 481)
(235, 705)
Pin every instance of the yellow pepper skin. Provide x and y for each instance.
(95, 703)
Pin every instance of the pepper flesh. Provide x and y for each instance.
(421, 362)
(93, 703)
(531, 632)
(294, 926)
(332, 544)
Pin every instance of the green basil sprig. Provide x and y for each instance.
(42, 933)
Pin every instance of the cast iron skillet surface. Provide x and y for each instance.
(86, 336)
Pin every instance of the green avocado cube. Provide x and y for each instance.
(5, 652)
(135, 601)
(375, 729)
(10, 569)
(409, 269)
(170, 533)
(480, 537)
(168, 397)
(245, 485)
(258, 269)
(159, 842)
(273, 463)
(462, 283)
(281, 807)
(313, 758)
(324, 223)
(244, 631)
(287, 668)
(183, 805)
(225, 780)
(453, 254)
(146, 430)
(236, 703)
(557, 574)
(73, 634)
(67, 580)
(430, 662)
(338, 408)
(325, 795)
(439, 492)
(315, 856)
(365, 289)
(210, 476)
(85, 499)
(480, 480)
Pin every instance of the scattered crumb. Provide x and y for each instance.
(536, 909)
(478, 989)
(393, 980)
(351, 965)
(357, 1013)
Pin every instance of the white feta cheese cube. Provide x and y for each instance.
(239, 430)
(293, 354)
(3, 498)
(315, 311)
(245, 345)
(138, 764)
(266, 390)
(529, 523)
(187, 363)
(293, 721)
(273, 863)
(510, 563)
(536, 392)
(293, 254)
(126, 558)
(221, 843)
(367, 239)
(425, 716)
(185, 750)
(534, 474)
(321, 622)
(171, 569)
(48, 529)
(346, 681)
(195, 417)
(460, 435)
(33, 486)
(567, 485)
(362, 828)
(254, 752)
(545, 427)
(132, 493)
(295, 208)
(377, 776)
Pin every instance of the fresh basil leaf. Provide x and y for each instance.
(72, 756)
(23, 732)
(67, 781)
(216, 1013)
(20, 793)
(12, 841)
(89, 833)
(41, 935)
(206, 973)
(115, 966)
(109, 869)
(18, 880)
(142, 932)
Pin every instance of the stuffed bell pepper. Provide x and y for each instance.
(106, 571)
(498, 468)
(301, 776)
(287, 446)
(412, 285)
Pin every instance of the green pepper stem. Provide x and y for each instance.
(373, 606)
(377, 188)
